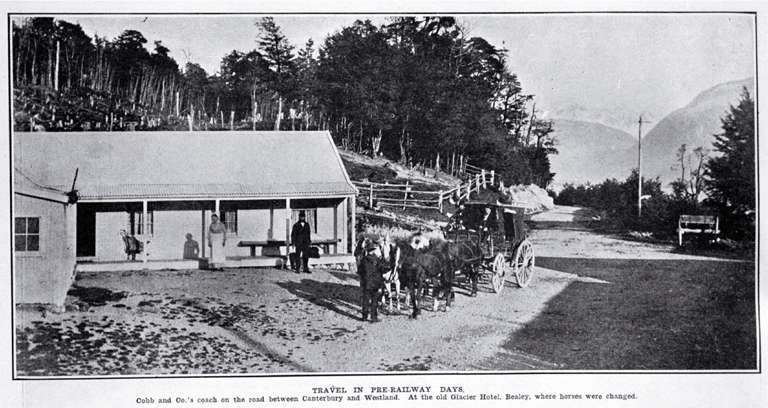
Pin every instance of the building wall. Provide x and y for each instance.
(169, 231)
(172, 221)
(109, 242)
(45, 276)
(253, 225)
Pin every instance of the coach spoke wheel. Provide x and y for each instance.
(498, 273)
(524, 263)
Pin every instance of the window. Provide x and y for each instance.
(136, 223)
(309, 213)
(27, 234)
(230, 221)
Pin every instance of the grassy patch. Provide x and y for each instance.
(652, 315)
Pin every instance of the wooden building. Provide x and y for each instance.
(162, 187)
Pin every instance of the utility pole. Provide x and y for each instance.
(640, 167)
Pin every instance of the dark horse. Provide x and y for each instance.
(467, 256)
(419, 267)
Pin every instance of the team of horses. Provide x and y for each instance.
(416, 263)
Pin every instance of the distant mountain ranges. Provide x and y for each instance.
(593, 148)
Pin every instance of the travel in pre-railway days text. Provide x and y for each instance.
(389, 393)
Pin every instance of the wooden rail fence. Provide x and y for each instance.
(406, 196)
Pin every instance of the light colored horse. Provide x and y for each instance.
(390, 253)
(418, 241)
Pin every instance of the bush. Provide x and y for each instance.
(617, 201)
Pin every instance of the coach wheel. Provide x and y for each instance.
(499, 273)
(524, 263)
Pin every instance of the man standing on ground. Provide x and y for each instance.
(371, 271)
(300, 238)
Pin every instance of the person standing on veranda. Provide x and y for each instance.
(217, 241)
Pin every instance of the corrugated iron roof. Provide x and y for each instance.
(114, 165)
(26, 186)
(160, 191)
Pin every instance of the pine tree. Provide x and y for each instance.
(731, 177)
(278, 52)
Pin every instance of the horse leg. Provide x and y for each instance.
(387, 293)
(435, 295)
(448, 295)
(397, 294)
(414, 289)
(473, 278)
(407, 299)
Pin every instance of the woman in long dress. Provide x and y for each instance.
(217, 240)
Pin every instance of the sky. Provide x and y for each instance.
(639, 63)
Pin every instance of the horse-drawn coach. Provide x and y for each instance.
(480, 238)
(498, 231)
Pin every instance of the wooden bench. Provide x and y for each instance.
(697, 224)
(326, 244)
(272, 243)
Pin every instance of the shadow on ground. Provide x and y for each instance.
(651, 315)
(339, 298)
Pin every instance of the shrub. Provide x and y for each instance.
(617, 201)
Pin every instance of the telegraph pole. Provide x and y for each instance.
(640, 167)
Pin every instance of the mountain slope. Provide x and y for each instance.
(588, 151)
(591, 152)
(693, 125)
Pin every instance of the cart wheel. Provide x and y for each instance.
(525, 260)
(499, 273)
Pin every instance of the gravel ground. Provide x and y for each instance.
(262, 321)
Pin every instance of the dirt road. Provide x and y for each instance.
(274, 321)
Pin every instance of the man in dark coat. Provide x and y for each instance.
(371, 271)
(300, 238)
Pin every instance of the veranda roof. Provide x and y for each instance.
(184, 165)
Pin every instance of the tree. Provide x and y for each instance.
(689, 187)
(357, 85)
(34, 49)
(278, 52)
(76, 51)
(731, 176)
(306, 84)
(196, 83)
(129, 58)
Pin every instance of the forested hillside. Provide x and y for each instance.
(417, 90)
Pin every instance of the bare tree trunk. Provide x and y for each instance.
(360, 139)
(402, 147)
(34, 62)
(376, 144)
(191, 118)
(530, 125)
(56, 72)
(162, 96)
(49, 67)
(255, 108)
(279, 112)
